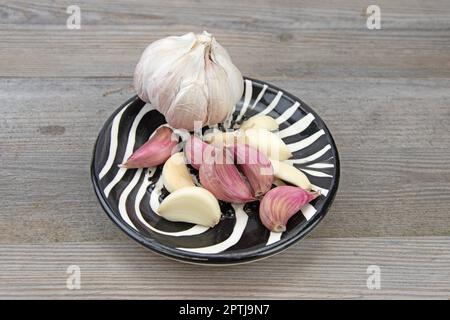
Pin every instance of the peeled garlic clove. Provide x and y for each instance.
(280, 204)
(260, 122)
(224, 139)
(268, 143)
(191, 204)
(155, 151)
(193, 150)
(189, 78)
(256, 167)
(175, 174)
(219, 175)
(290, 174)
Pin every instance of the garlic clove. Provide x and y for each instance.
(193, 151)
(187, 82)
(220, 56)
(256, 167)
(268, 143)
(191, 204)
(219, 175)
(280, 204)
(219, 93)
(278, 182)
(224, 139)
(260, 122)
(175, 174)
(161, 144)
(290, 174)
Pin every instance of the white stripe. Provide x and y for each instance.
(308, 211)
(312, 157)
(227, 121)
(129, 149)
(320, 165)
(247, 98)
(316, 173)
(113, 142)
(274, 237)
(288, 113)
(260, 95)
(124, 196)
(323, 192)
(156, 193)
(273, 104)
(297, 127)
(197, 229)
(239, 227)
(299, 145)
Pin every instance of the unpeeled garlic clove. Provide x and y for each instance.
(268, 143)
(175, 174)
(260, 122)
(280, 204)
(194, 149)
(191, 204)
(219, 175)
(290, 174)
(155, 151)
(256, 168)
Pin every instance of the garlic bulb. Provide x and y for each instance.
(189, 78)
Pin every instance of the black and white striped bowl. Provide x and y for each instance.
(131, 197)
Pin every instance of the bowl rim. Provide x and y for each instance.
(220, 258)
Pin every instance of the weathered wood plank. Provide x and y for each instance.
(308, 39)
(245, 13)
(316, 268)
(393, 137)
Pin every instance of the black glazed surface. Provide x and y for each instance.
(239, 237)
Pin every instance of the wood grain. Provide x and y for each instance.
(307, 39)
(317, 268)
(383, 94)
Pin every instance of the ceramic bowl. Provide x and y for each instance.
(131, 197)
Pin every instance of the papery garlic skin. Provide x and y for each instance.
(159, 147)
(175, 173)
(256, 167)
(191, 204)
(280, 204)
(189, 78)
(219, 175)
(193, 150)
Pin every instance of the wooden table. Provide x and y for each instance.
(385, 95)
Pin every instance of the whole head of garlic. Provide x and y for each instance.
(189, 78)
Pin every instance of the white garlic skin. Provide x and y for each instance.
(189, 78)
